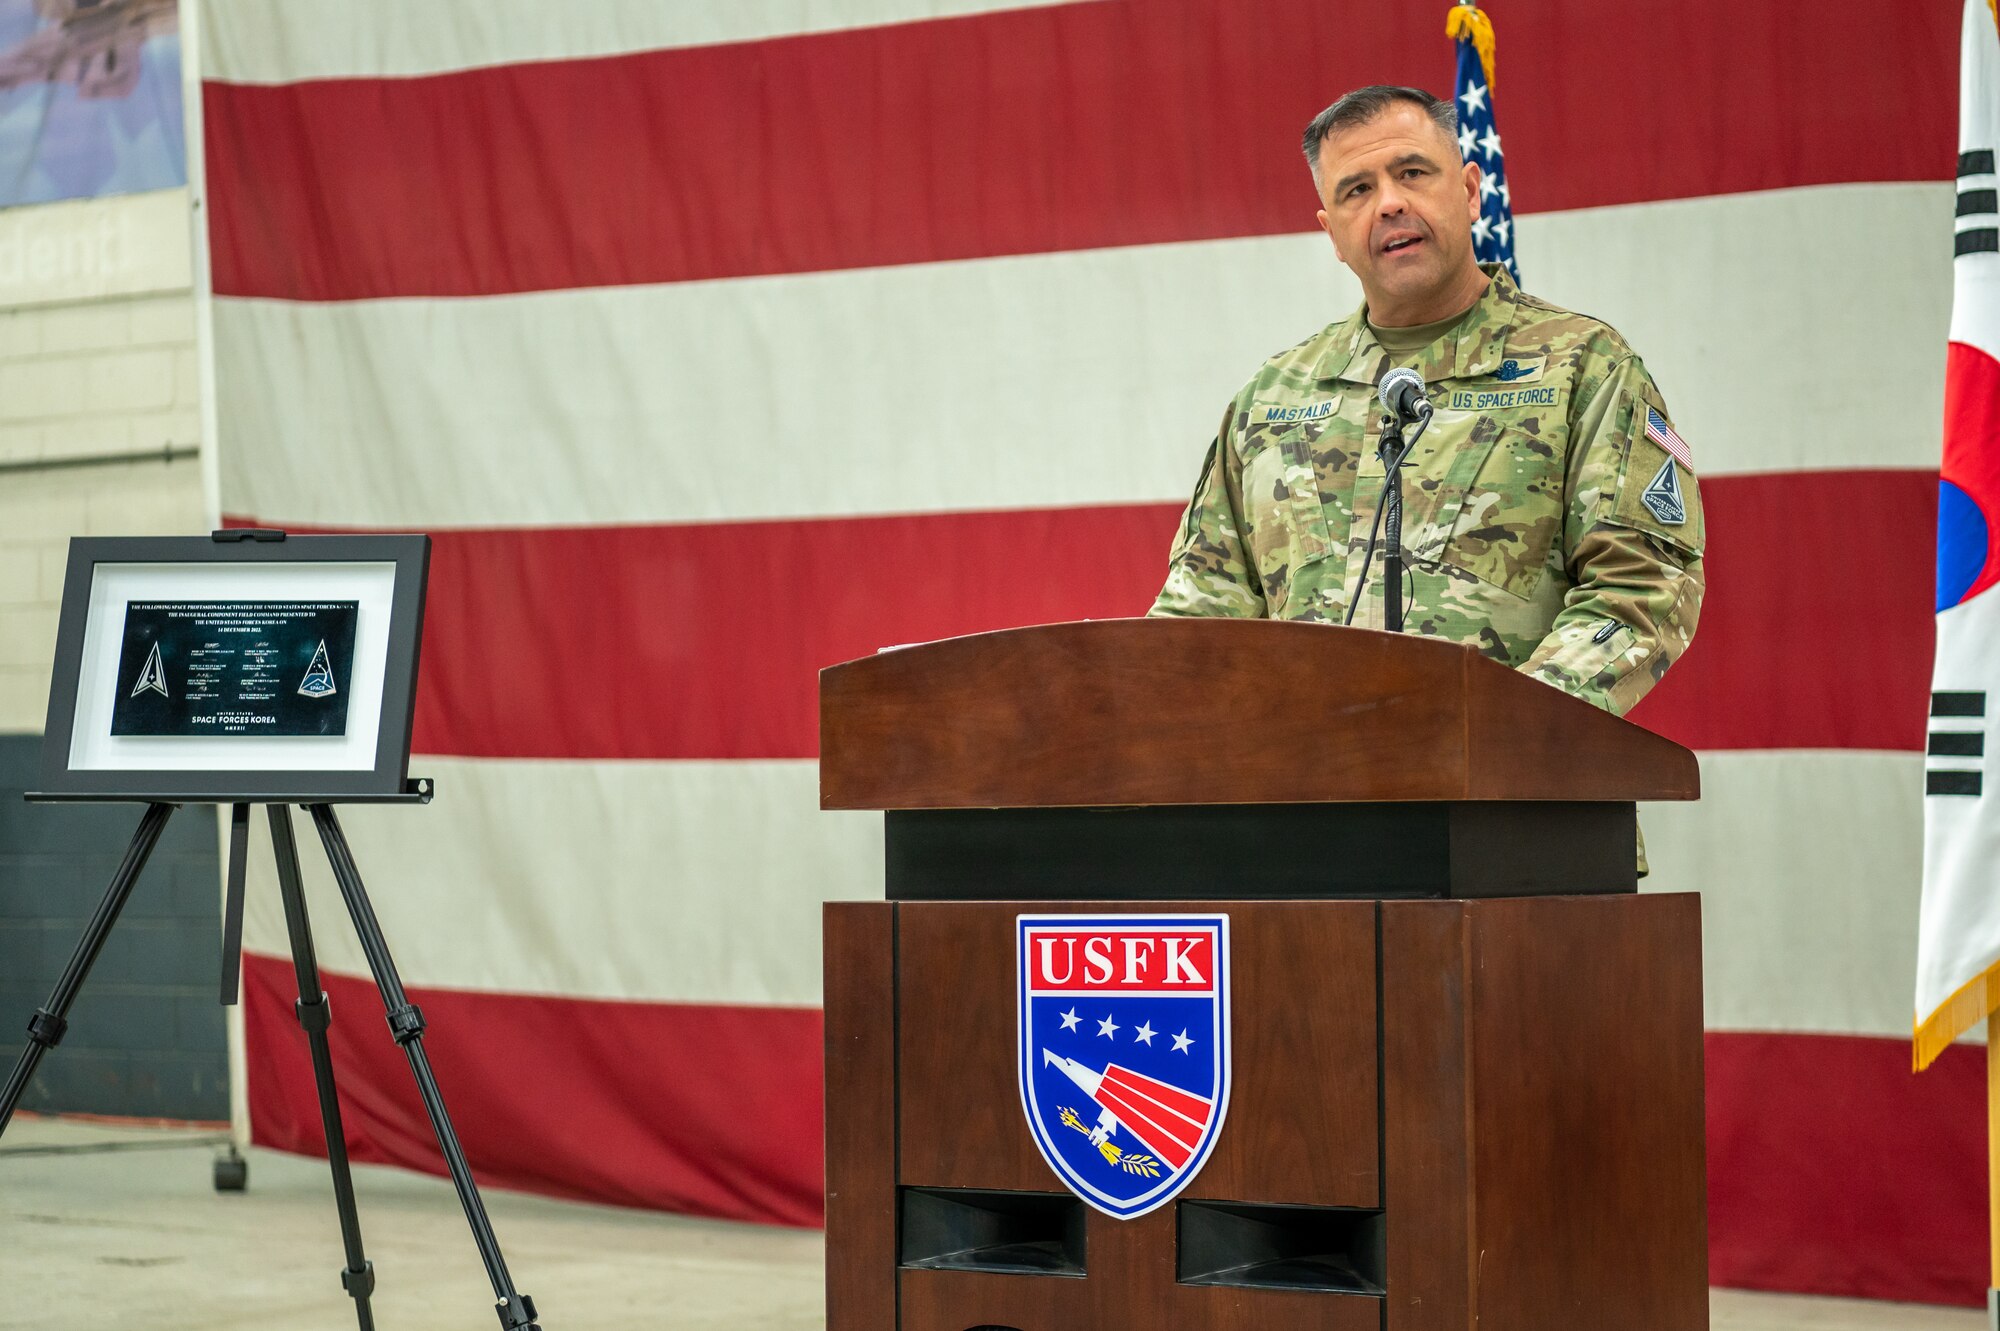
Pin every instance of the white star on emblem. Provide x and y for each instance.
(1145, 1033)
(1506, 195)
(1467, 140)
(1501, 229)
(1482, 230)
(1107, 1028)
(1474, 98)
(1489, 143)
(1069, 1020)
(1181, 1042)
(1488, 187)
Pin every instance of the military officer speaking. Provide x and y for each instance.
(1550, 518)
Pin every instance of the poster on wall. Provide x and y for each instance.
(90, 99)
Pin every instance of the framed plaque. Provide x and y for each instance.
(240, 667)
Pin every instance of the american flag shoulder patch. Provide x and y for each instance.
(1663, 434)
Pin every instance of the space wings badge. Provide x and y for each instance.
(1124, 1050)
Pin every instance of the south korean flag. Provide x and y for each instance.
(1958, 943)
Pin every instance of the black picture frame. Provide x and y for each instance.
(387, 782)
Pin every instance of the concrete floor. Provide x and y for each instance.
(114, 1227)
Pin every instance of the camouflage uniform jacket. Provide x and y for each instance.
(1539, 517)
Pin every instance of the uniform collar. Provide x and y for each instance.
(1356, 356)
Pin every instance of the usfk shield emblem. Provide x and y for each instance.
(1124, 1050)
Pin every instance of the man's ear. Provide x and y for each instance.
(1324, 226)
(1473, 175)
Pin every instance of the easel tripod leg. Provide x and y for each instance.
(46, 1027)
(406, 1023)
(315, 1015)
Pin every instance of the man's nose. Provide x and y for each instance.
(1390, 202)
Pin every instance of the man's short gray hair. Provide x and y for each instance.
(1363, 105)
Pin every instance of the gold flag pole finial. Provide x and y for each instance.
(1467, 22)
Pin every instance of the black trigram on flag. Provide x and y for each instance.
(1977, 229)
(1958, 732)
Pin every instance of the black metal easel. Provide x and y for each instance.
(406, 1024)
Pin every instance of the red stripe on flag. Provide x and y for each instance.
(1017, 132)
(1830, 1167)
(1833, 1170)
(705, 1110)
(704, 641)
(1817, 625)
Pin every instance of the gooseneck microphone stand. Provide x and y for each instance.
(1394, 451)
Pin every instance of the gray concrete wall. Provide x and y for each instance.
(146, 1035)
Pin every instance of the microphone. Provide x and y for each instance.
(1402, 394)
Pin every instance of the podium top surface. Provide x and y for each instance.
(1217, 711)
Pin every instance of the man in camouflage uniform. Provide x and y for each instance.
(1545, 521)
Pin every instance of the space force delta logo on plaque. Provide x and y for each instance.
(1124, 1050)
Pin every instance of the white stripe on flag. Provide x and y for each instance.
(283, 41)
(701, 882)
(1804, 860)
(1040, 381)
(696, 882)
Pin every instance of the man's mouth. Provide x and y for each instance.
(1397, 244)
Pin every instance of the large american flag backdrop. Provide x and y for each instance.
(714, 344)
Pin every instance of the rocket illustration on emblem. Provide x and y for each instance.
(1165, 1119)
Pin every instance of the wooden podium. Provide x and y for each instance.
(1467, 1083)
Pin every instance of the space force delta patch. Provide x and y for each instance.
(1124, 1050)
(1662, 496)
